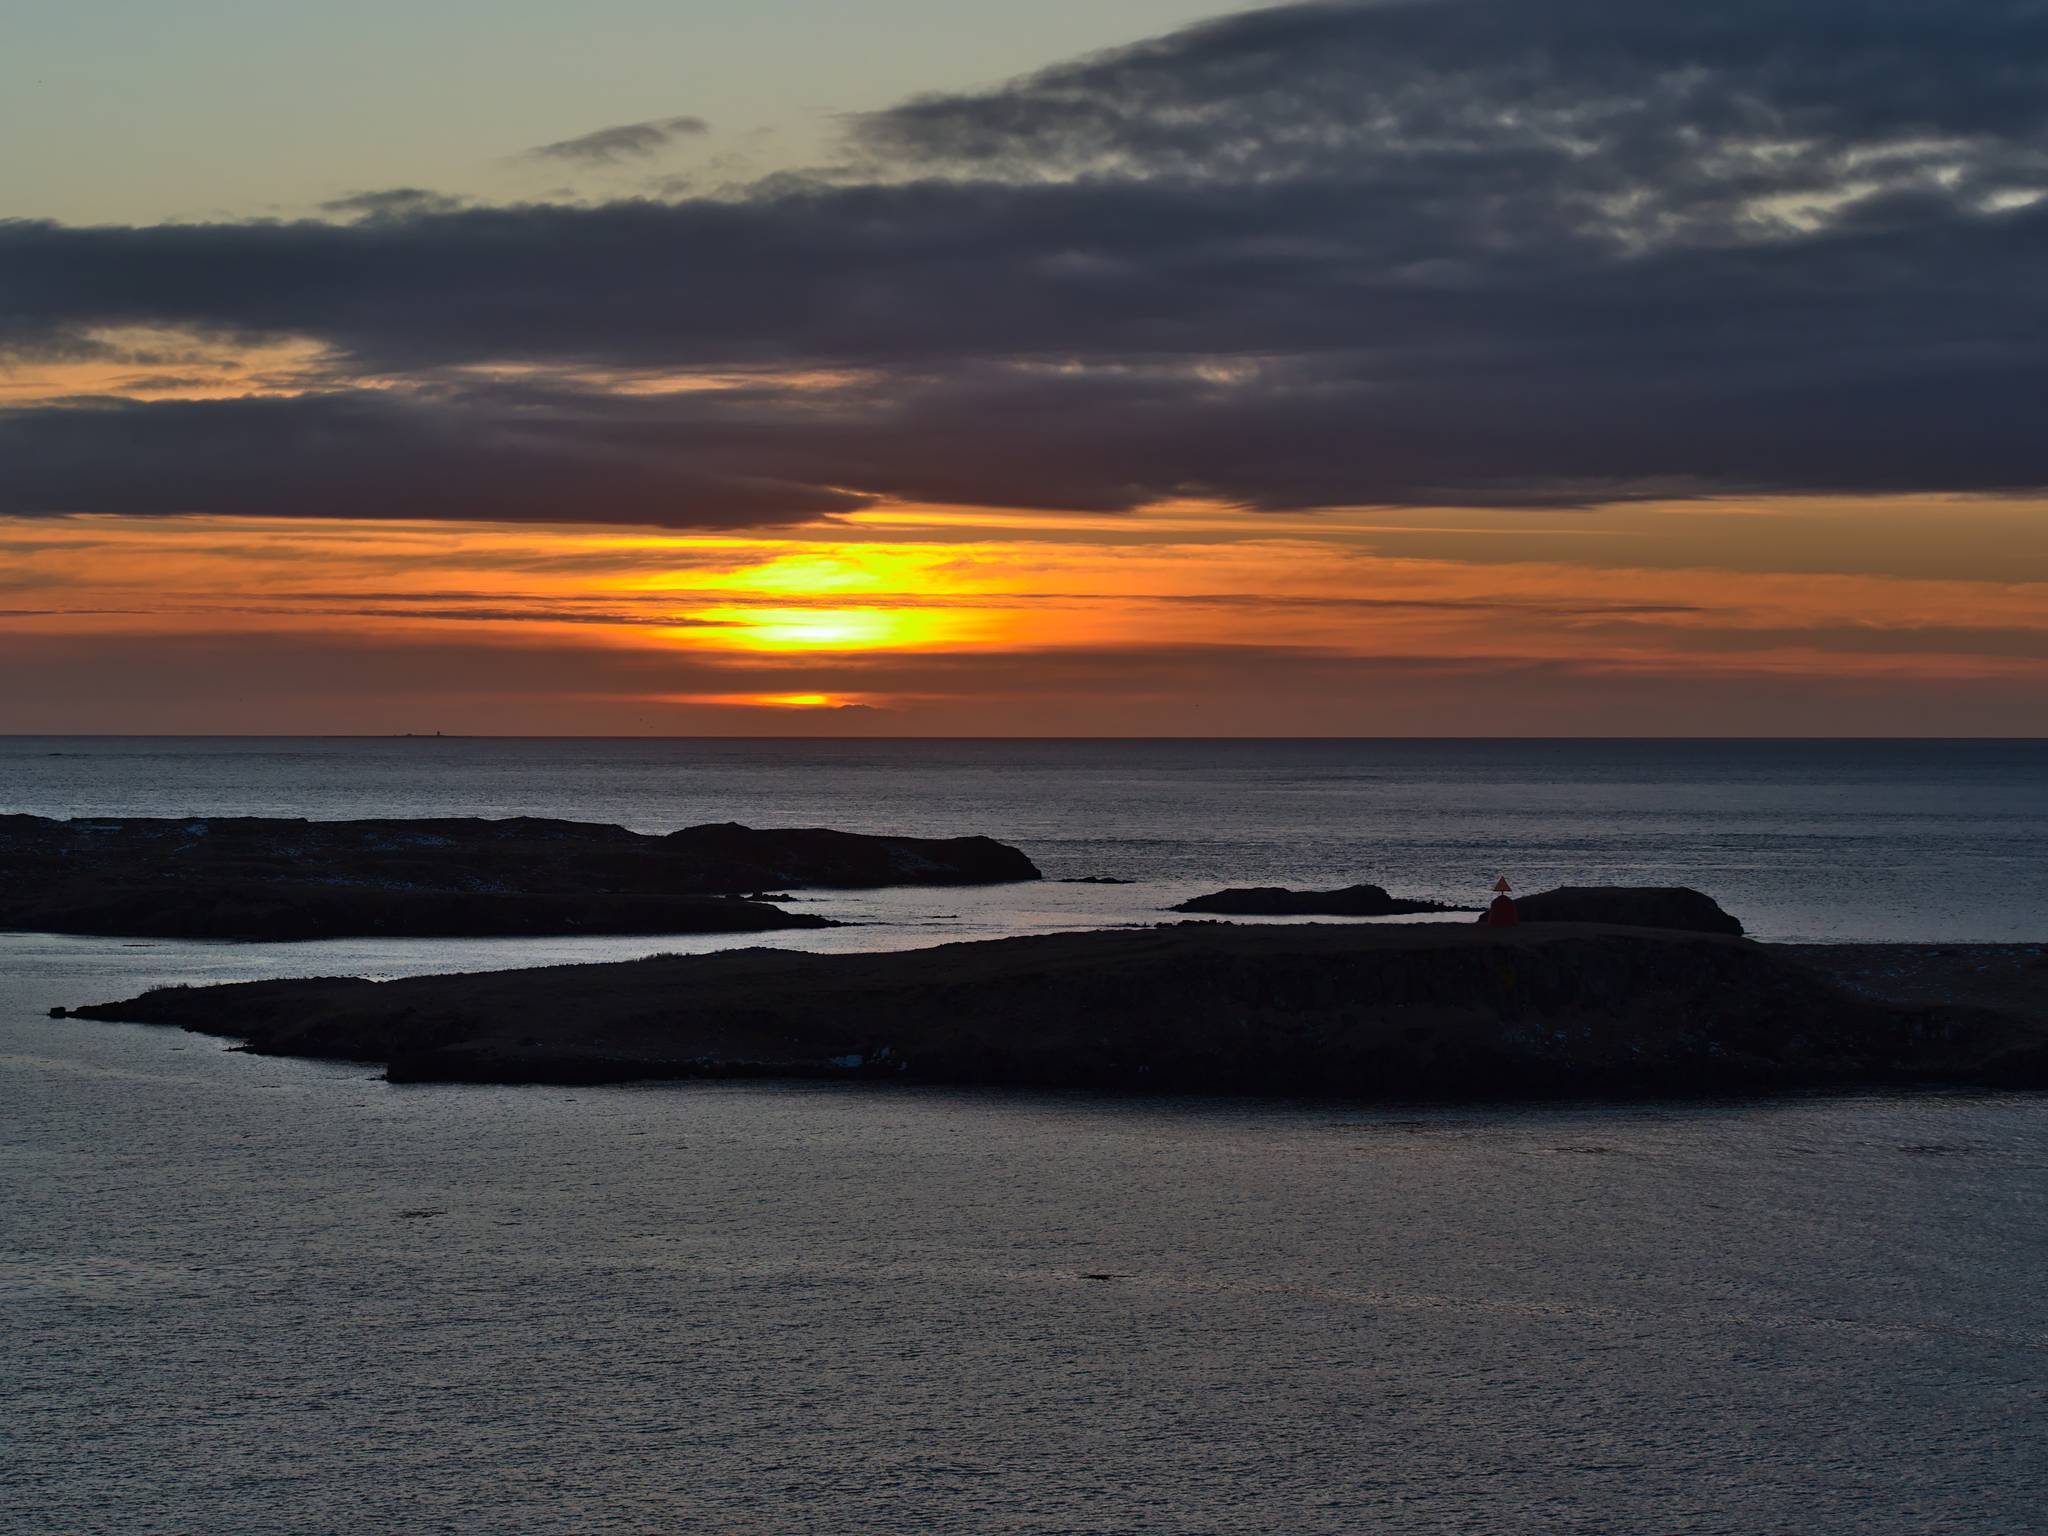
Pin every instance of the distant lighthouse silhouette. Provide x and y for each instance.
(1502, 913)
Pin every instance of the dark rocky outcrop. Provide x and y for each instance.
(1634, 906)
(1439, 1010)
(1277, 901)
(315, 909)
(2006, 978)
(269, 878)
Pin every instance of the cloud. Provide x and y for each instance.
(393, 610)
(628, 141)
(391, 203)
(1597, 117)
(376, 454)
(1419, 252)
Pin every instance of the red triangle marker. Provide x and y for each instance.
(1503, 885)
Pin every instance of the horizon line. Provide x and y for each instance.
(2041, 737)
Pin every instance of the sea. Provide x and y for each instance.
(253, 1295)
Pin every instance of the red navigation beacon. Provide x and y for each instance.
(1502, 913)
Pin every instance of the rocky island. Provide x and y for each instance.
(1438, 1010)
(1642, 906)
(1634, 906)
(1277, 901)
(249, 877)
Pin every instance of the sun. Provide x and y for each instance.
(828, 629)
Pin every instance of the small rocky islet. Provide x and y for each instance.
(1636, 906)
(1278, 901)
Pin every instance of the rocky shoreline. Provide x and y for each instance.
(1446, 1011)
(269, 878)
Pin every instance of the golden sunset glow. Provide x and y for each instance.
(776, 629)
(946, 619)
(778, 701)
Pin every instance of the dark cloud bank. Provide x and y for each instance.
(1473, 251)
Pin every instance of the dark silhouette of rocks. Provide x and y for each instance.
(2006, 978)
(1437, 1010)
(1634, 906)
(1276, 901)
(269, 878)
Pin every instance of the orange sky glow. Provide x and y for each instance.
(1783, 617)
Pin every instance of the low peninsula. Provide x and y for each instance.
(1450, 1011)
(252, 877)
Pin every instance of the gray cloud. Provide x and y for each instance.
(628, 141)
(391, 203)
(1417, 252)
(1692, 113)
(368, 454)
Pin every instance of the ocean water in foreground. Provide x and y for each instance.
(243, 1295)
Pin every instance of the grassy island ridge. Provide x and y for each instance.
(1435, 1010)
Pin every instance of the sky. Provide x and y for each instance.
(1420, 367)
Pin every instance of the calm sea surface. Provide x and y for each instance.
(1803, 840)
(247, 1295)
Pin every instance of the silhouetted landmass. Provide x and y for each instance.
(270, 878)
(1277, 901)
(2006, 978)
(1636, 906)
(1436, 1010)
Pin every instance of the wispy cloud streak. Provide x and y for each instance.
(627, 141)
